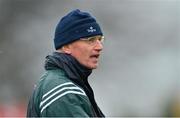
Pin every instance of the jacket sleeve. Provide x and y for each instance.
(70, 105)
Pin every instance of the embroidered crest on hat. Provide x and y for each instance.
(91, 29)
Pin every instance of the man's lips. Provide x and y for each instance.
(95, 56)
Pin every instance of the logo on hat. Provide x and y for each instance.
(91, 29)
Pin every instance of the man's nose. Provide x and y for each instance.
(98, 45)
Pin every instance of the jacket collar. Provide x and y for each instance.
(69, 64)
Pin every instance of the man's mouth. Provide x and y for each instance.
(95, 56)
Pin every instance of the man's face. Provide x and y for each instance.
(87, 51)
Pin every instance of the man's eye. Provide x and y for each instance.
(92, 39)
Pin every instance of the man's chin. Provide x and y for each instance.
(91, 65)
(94, 66)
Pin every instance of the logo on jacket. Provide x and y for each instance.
(91, 29)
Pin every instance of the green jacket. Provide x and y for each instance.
(56, 95)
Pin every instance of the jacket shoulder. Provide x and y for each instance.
(61, 97)
(55, 75)
(68, 104)
(52, 79)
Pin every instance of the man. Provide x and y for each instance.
(64, 89)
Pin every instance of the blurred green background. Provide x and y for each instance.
(139, 72)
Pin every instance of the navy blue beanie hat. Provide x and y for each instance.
(75, 25)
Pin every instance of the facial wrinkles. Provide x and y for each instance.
(83, 53)
(80, 52)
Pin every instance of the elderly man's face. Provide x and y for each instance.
(87, 51)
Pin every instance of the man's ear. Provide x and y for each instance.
(66, 49)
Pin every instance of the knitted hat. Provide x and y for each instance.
(75, 25)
